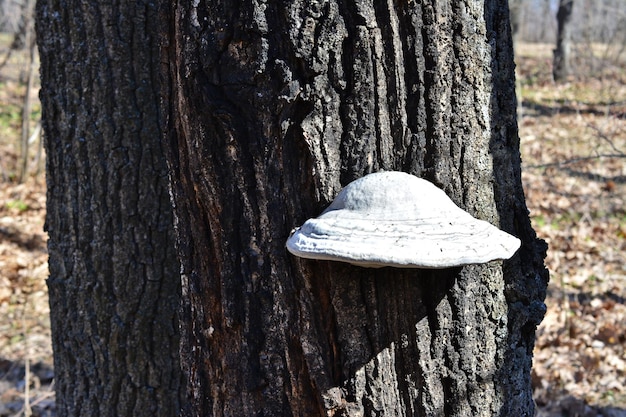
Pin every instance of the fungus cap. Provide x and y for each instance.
(397, 219)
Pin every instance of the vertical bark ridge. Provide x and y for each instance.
(395, 65)
(525, 276)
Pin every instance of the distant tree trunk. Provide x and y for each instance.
(545, 33)
(561, 62)
(30, 81)
(114, 277)
(516, 10)
(25, 31)
(275, 107)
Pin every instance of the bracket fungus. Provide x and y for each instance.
(397, 219)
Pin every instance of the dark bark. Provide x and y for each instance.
(114, 277)
(561, 60)
(276, 106)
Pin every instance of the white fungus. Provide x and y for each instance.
(397, 219)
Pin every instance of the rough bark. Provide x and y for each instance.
(114, 277)
(276, 106)
(561, 58)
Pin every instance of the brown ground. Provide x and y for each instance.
(575, 194)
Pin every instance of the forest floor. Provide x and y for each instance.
(573, 144)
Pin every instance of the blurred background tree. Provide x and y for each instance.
(596, 31)
(561, 61)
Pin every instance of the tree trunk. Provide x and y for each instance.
(516, 9)
(561, 61)
(114, 277)
(275, 107)
(22, 37)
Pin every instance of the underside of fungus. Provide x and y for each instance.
(397, 219)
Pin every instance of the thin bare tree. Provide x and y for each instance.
(561, 60)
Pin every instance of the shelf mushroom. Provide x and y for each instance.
(397, 219)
